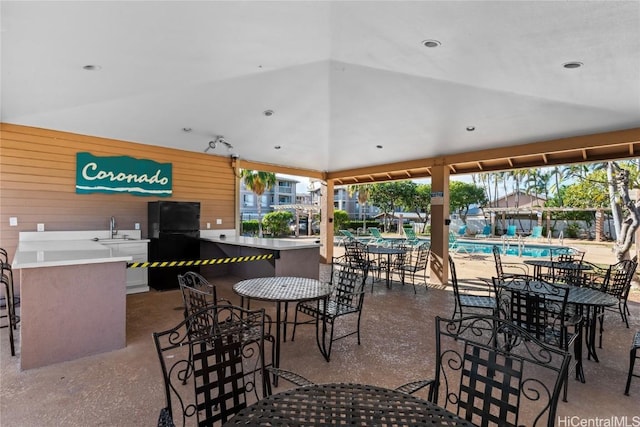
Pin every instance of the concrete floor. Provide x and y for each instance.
(124, 387)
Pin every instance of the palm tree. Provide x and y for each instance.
(363, 197)
(258, 182)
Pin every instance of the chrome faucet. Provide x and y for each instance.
(112, 227)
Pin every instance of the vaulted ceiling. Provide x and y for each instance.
(353, 91)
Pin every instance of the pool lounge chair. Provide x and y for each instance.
(348, 236)
(486, 233)
(536, 233)
(377, 238)
(453, 240)
(511, 233)
(462, 231)
(410, 237)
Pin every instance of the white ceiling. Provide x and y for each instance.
(341, 77)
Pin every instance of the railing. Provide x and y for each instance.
(506, 244)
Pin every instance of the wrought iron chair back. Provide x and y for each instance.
(540, 308)
(564, 275)
(358, 258)
(500, 267)
(494, 373)
(617, 282)
(462, 300)
(356, 255)
(197, 294)
(347, 298)
(209, 378)
(417, 261)
(6, 279)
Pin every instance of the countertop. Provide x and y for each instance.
(53, 253)
(271, 244)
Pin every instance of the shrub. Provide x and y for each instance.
(572, 230)
(340, 219)
(277, 223)
(250, 227)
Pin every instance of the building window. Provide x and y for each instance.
(247, 200)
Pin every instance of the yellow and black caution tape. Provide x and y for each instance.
(214, 261)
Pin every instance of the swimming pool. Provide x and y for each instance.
(485, 247)
(525, 250)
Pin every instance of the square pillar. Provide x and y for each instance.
(439, 265)
(326, 223)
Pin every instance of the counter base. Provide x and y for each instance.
(68, 312)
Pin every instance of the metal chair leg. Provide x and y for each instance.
(633, 355)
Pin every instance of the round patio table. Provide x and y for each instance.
(389, 252)
(281, 290)
(539, 264)
(344, 404)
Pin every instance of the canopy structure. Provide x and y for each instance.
(539, 211)
(299, 208)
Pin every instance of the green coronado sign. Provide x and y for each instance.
(122, 174)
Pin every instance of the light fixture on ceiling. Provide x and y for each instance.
(91, 67)
(268, 113)
(277, 147)
(379, 147)
(219, 140)
(431, 43)
(186, 130)
(573, 64)
(471, 128)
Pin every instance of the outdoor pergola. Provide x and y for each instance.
(541, 212)
(299, 209)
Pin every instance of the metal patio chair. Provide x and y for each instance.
(464, 300)
(494, 373)
(415, 261)
(346, 299)
(540, 308)
(617, 282)
(209, 377)
(500, 266)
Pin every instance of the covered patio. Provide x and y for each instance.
(124, 387)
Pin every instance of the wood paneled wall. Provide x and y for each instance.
(37, 184)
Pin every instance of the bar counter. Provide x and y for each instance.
(73, 300)
(299, 258)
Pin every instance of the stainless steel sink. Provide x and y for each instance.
(116, 240)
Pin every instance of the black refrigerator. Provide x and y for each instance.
(174, 233)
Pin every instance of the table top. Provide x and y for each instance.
(560, 265)
(263, 243)
(381, 250)
(577, 295)
(344, 404)
(284, 289)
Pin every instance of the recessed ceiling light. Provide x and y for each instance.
(431, 43)
(471, 128)
(277, 147)
(379, 147)
(572, 64)
(268, 113)
(186, 130)
(92, 67)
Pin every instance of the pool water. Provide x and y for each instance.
(527, 250)
(484, 247)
